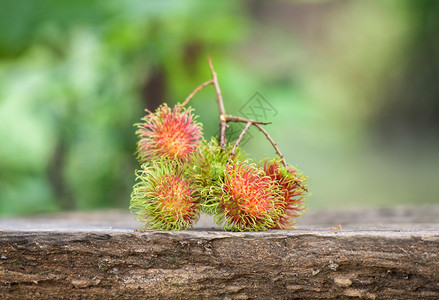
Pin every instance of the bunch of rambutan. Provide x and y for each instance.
(182, 175)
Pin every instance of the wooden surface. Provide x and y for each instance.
(377, 254)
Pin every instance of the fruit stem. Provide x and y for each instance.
(196, 91)
(247, 126)
(258, 126)
(222, 111)
(230, 118)
(224, 119)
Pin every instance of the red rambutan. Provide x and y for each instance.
(249, 201)
(292, 189)
(164, 198)
(168, 133)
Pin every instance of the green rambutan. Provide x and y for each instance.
(293, 190)
(164, 198)
(168, 133)
(249, 199)
(209, 166)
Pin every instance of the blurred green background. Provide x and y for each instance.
(354, 86)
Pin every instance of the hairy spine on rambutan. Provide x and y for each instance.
(292, 185)
(168, 133)
(180, 176)
(249, 200)
(209, 163)
(164, 198)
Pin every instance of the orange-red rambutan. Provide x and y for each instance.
(249, 201)
(168, 133)
(164, 197)
(292, 188)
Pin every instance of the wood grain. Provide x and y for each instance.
(68, 259)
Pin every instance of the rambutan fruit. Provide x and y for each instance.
(168, 133)
(164, 198)
(209, 164)
(293, 190)
(249, 200)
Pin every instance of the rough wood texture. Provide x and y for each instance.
(78, 256)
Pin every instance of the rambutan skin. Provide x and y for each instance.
(209, 164)
(293, 189)
(164, 198)
(168, 133)
(249, 201)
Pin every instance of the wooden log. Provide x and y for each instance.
(82, 257)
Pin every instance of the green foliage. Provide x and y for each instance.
(71, 75)
(357, 91)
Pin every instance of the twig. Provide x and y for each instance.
(273, 143)
(227, 118)
(222, 111)
(196, 91)
(249, 123)
(258, 125)
(279, 153)
(230, 118)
